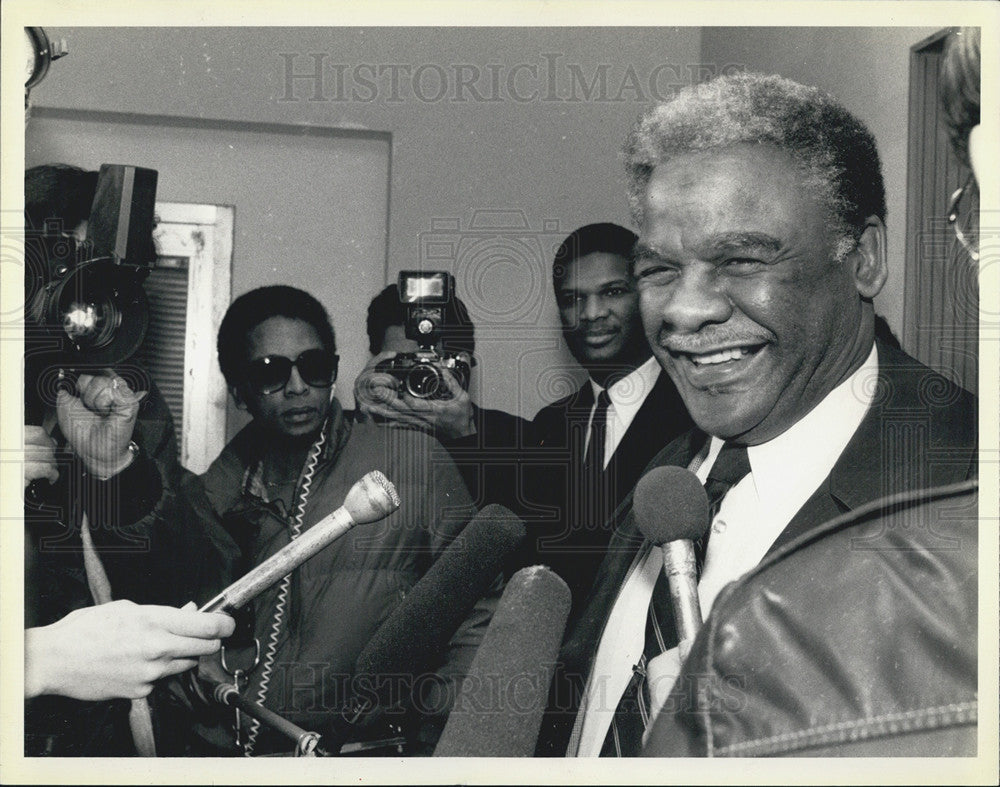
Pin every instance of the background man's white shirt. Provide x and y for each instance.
(627, 396)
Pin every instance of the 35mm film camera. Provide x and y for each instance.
(426, 297)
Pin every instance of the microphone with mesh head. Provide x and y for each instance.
(499, 709)
(671, 510)
(373, 497)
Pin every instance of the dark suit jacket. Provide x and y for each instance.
(920, 431)
(568, 514)
(487, 460)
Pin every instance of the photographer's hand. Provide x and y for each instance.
(98, 421)
(449, 418)
(374, 390)
(378, 394)
(39, 455)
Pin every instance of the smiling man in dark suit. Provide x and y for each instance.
(762, 246)
(594, 443)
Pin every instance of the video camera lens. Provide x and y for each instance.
(90, 324)
(99, 313)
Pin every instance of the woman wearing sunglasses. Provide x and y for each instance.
(290, 467)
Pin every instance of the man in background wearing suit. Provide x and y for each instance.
(552, 472)
(762, 245)
(593, 444)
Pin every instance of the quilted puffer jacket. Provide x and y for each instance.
(339, 597)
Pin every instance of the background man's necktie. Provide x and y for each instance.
(598, 428)
(631, 717)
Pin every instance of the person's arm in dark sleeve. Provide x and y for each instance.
(121, 514)
(488, 459)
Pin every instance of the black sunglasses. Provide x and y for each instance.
(270, 374)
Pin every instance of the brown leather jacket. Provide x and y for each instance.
(858, 639)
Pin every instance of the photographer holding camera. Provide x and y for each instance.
(100, 452)
(422, 340)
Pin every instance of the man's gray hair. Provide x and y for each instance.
(836, 151)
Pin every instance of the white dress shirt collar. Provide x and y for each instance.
(628, 393)
(802, 456)
(627, 396)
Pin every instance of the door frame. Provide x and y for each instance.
(203, 234)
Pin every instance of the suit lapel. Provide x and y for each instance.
(556, 422)
(585, 635)
(659, 420)
(889, 450)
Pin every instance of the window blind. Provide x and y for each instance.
(162, 351)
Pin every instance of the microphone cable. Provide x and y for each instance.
(271, 649)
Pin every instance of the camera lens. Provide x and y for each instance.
(90, 324)
(99, 314)
(424, 382)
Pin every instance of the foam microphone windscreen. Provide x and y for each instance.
(417, 631)
(670, 504)
(498, 711)
(121, 218)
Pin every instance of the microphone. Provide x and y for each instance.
(499, 709)
(671, 510)
(370, 499)
(306, 741)
(417, 630)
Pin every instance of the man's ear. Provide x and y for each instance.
(868, 260)
(238, 398)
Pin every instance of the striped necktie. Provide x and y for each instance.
(731, 466)
(631, 717)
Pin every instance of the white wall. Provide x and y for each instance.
(499, 145)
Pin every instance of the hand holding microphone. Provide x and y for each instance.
(117, 650)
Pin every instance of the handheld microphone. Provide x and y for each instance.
(370, 499)
(306, 742)
(414, 635)
(499, 709)
(671, 510)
